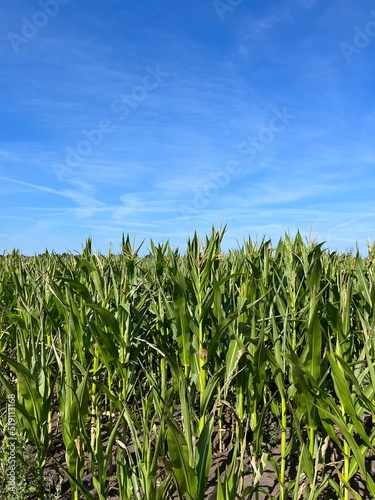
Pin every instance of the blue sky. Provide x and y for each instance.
(158, 119)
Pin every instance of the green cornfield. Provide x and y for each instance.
(198, 374)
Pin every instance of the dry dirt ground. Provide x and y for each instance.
(58, 486)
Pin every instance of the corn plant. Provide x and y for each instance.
(145, 367)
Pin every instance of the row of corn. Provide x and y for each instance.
(145, 369)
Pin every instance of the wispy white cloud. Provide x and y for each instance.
(87, 204)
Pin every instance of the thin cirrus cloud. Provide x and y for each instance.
(203, 146)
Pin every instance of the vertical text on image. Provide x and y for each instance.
(11, 443)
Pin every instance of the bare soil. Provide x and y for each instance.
(57, 485)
